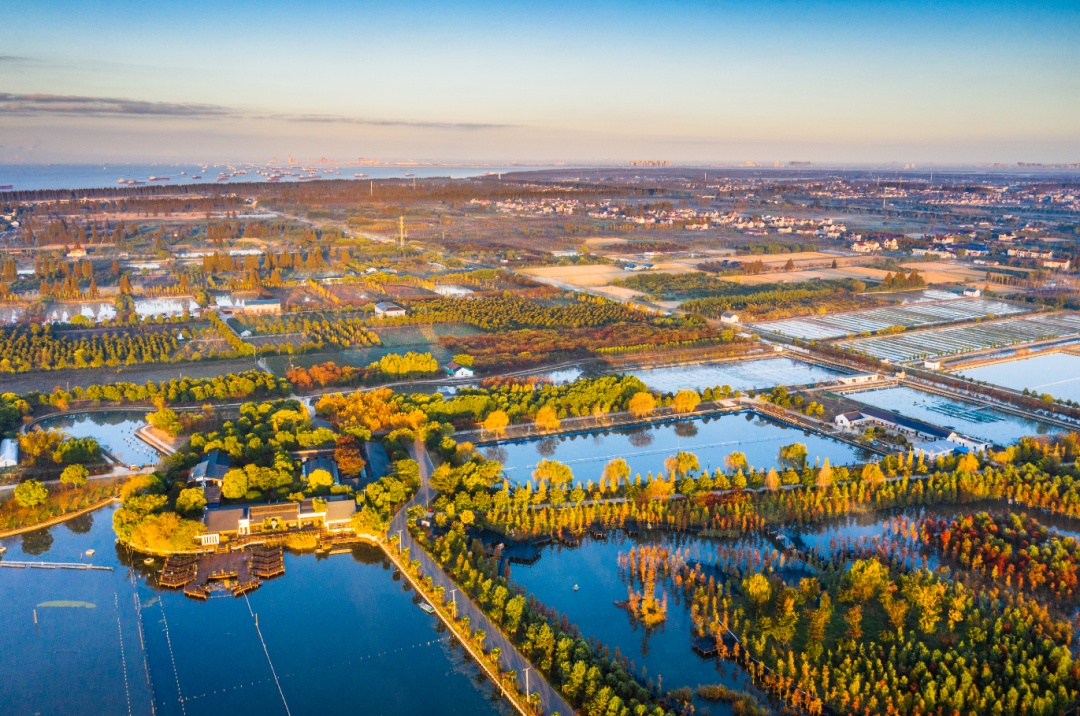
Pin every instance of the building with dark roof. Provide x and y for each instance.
(211, 468)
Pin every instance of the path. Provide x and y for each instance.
(551, 701)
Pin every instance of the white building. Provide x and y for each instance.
(455, 370)
(729, 317)
(385, 309)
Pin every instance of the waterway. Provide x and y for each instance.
(741, 375)
(114, 431)
(645, 448)
(959, 415)
(1055, 373)
(342, 635)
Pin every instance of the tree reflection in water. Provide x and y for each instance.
(641, 437)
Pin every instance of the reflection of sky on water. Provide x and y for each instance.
(646, 447)
(1057, 374)
(115, 432)
(743, 375)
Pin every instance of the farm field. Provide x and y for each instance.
(903, 347)
(908, 315)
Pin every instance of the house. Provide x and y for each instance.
(385, 309)
(338, 516)
(261, 306)
(455, 370)
(9, 453)
(729, 317)
(321, 463)
(211, 468)
(932, 364)
(859, 378)
(77, 253)
(1056, 264)
(972, 292)
(228, 521)
(865, 247)
(938, 448)
(275, 516)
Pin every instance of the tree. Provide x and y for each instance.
(824, 475)
(872, 473)
(496, 422)
(772, 480)
(464, 359)
(758, 589)
(642, 404)
(191, 501)
(31, 493)
(75, 475)
(615, 472)
(347, 455)
(736, 461)
(320, 478)
(686, 401)
(792, 456)
(165, 419)
(234, 485)
(682, 463)
(554, 472)
(547, 419)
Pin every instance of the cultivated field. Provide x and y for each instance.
(909, 315)
(965, 339)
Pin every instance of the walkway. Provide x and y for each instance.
(510, 658)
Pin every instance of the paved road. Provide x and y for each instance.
(551, 701)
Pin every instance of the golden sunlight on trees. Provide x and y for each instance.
(547, 419)
(686, 401)
(642, 404)
(496, 423)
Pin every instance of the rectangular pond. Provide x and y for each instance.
(334, 636)
(646, 447)
(1055, 373)
(740, 375)
(962, 416)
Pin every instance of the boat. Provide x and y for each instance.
(427, 607)
(159, 178)
(4, 187)
(575, 587)
(359, 176)
(89, 553)
(3, 549)
(197, 176)
(148, 560)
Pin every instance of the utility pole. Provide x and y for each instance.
(527, 684)
(399, 541)
(453, 597)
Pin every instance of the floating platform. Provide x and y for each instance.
(235, 572)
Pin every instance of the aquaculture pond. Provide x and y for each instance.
(114, 430)
(336, 635)
(98, 311)
(646, 447)
(1055, 373)
(741, 375)
(968, 418)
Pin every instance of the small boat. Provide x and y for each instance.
(4, 187)
(148, 560)
(3, 549)
(197, 176)
(427, 607)
(575, 587)
(89, 553)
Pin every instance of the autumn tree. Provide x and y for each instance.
(496, 422)
(31, 493)
(75, 475)
(642, 404)
(547, 419)
(686, 401)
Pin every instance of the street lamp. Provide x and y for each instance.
(453, 598)
(399, 541)
(527, 670)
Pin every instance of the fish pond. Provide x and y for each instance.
(646, 447)
(114, 430)
(971, 419)
(740, 375)
(106, 642)
(1055, 373)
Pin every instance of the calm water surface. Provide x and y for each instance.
(343, 636)
(114, 431)
(1057, 374)
(646, 447)
(967, 418)
(741, 375)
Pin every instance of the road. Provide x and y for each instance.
(551, 701)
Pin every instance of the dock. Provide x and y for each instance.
(52, 565)
(235, 572)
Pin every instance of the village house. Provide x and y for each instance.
(261, 306)
(385, 309)
(455, 370)
(729, 317)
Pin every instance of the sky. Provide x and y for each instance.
(689, 82)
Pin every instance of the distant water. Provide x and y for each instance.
(27, 177)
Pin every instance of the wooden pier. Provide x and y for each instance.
(52, 565)
(230, 572)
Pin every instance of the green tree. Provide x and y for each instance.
(76, 475)
(191, 501)
(31, 493)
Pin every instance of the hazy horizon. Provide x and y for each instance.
(955, 83)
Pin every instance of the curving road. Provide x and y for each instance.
(551, 701)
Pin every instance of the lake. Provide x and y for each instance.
(114, 430)
(1055, 373)
(964, 417)
(342, 634)
(646, 447)
(740, 375)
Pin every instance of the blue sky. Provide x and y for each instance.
(574, 81)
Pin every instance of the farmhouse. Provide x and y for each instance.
(729, 317)
(456, 370)
(385, 309)
(260, 306)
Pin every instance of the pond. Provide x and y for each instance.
(968, 418)
(1055, 373)
(741, 375)
(646, 447)
(114, 431)
(98, 311)
(341, 633)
